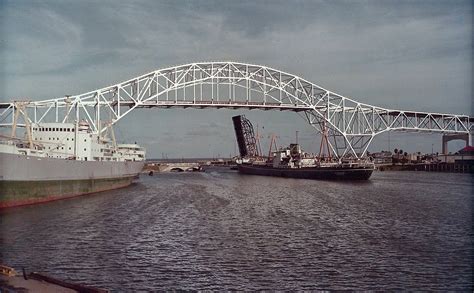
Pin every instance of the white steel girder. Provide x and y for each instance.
(350, 124)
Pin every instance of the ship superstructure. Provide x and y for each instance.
(66, 141)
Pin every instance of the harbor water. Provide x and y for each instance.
(222, 230)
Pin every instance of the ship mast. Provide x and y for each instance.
(272, 143)
(258, 148)
(324, 142)
(20, 109)
(109, 132)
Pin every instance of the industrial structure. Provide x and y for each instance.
(245, 136)
(349, 124)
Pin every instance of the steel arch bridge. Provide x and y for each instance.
(350, 125)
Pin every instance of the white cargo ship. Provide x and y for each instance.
(61, 160)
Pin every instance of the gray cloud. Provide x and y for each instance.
(404, 54)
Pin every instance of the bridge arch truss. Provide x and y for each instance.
(350, 125)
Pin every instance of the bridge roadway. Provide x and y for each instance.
(234, 105)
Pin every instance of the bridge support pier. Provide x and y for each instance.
(467, 137)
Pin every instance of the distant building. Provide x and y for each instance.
(463, 156)
(467, 151)
(383, 157)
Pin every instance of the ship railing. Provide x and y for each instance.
(357, 164)
(8, 142)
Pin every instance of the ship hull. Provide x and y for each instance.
(18, 193)
(317, 173)
(29, 180)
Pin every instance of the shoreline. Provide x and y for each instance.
(10, 281)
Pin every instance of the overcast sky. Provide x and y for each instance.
(413, 55)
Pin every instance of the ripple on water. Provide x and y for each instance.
(222, 230)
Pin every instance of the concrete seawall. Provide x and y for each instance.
(442, 167)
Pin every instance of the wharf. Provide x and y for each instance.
(440, 167)
(10, 281)
(19, 284)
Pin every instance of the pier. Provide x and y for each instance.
(440, 167)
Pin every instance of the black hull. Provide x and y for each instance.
(325, 173)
